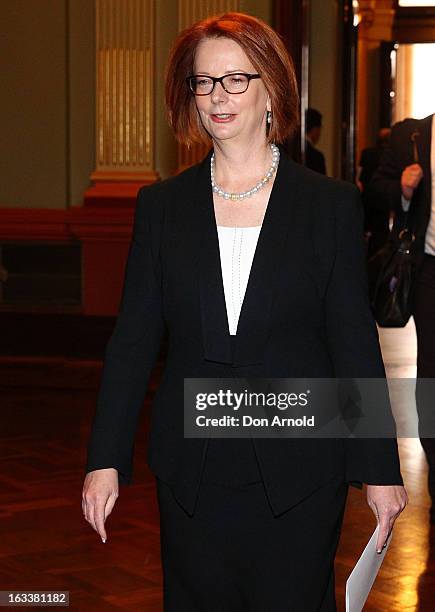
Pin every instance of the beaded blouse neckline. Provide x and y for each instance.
(236, 227)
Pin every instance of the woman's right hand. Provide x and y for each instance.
(411, 177)
(100, 492)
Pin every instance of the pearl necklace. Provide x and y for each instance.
(257, 187)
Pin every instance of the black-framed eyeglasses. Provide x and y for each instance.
(236, 83)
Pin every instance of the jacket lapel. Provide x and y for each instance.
(255, 316)
(424, 151)
(215, 330)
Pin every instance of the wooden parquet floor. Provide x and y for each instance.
(46, 409)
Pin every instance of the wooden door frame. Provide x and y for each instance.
(291, 19)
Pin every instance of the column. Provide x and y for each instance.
(125, 82)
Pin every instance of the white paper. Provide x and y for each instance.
(363, 575)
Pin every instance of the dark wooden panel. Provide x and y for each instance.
(46, 334)
(291, 21)
(349, 76)
(42, 273)
(414, 24)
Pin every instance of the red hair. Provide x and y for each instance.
(267, 53)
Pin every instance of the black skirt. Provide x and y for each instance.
(234, 555)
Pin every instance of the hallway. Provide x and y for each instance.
(47, 407)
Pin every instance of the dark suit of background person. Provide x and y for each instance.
(387, 183)
(314, 159)
(376, 210)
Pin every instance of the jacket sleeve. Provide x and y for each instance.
(353, 339)
(132, 349)
(385, 189)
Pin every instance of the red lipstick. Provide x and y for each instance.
(228, 119)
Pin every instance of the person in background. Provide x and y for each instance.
(406, 180)
(376, 212)
(314, 158)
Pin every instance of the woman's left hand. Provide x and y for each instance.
(387, 502)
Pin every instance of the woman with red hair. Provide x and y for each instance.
(254, 267)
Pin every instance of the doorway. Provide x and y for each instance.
(413, 93)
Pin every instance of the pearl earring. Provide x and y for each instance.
(269, 117)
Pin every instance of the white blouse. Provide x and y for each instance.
(237, 248)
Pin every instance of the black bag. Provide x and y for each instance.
(391, 273)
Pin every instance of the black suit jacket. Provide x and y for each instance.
(386, 181)
(305, 314)
(369, 162)
(314, 159)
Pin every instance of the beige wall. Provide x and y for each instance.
(47, 67)
(81, 98)
(257, 8)
(33, 104)
(325, 77)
